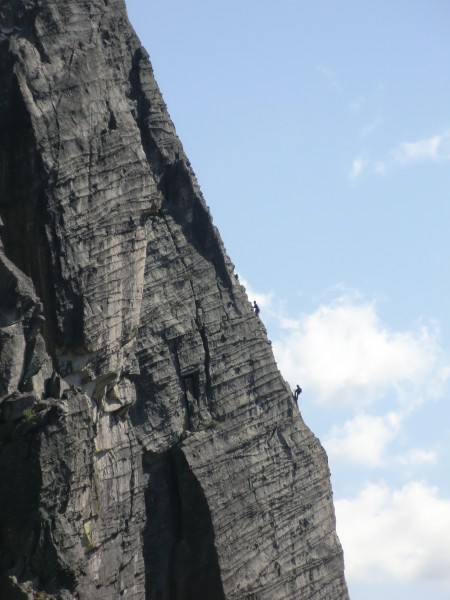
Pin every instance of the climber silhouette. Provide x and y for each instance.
(256, 308)
(297, 392)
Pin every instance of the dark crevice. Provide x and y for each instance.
(142, 112)
(192, 385)
(112, 123)
(20, 524)
(23, 203)
(188, 417)
(181, 561)
(28, 355)
(189, 412)
(27, 547)
(207, 356)
(163, 530)
(196, 564)
(205, 342)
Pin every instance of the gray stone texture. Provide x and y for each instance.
(149, 447)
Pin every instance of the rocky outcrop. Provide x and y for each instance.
(149, 447)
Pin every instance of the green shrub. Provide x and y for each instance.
(29, 414)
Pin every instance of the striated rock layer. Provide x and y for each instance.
(149, 447)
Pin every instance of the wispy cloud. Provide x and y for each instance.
(331, 78)
(371, 127)
(396, 533)
(380, 167)
(433, 149)
(356, 168)
(356, 104)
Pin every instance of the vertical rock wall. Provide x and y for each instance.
(149, 447)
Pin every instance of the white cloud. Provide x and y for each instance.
(400, 534)
(417, 457)
(436, 147)
(331, 77)
(356, 168)
(363, 440)
(343, 353)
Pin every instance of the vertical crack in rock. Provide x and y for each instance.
(149, 446)
(209, 386)
(185, 404)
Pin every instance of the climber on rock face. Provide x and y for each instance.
(256, 308)
(297, 392)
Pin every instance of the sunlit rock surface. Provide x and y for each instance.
(149, 447)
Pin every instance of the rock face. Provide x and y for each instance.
(149, 447)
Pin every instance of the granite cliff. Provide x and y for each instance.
(149, 447)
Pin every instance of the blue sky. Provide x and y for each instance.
(320, 135)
